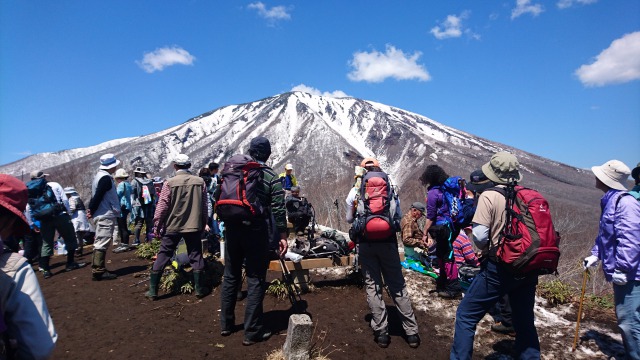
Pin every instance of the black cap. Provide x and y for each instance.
(260, 148)
(635, 173)
(479, 181)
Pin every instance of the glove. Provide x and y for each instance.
(619, 278)
(590, 261)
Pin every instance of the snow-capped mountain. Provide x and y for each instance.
(323, 138)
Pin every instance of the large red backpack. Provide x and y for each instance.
(237, 199)
(529, 243)
(377, 208)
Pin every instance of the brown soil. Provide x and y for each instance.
(113, 320)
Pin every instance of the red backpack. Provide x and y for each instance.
(529, 244)
(377, 208)
(237, 198)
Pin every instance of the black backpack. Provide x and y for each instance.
(237, 197)
(42, 200)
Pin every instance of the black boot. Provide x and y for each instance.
(98, 269)
(198, 279)
(72, 265)
(43, 263)
(154, 280)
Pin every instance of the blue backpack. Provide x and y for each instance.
(460, 208)
(42, 200)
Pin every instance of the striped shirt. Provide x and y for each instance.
(463, 251)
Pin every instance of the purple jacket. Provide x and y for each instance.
(435, 201)
(618, 241)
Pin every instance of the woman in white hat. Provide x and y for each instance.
(618, 246)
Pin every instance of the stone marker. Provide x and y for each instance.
(298, 342)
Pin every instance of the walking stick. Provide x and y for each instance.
(584, 285)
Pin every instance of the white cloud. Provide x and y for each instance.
(167, 56)
(314, 91)
(452, 27)
(619, 63)
(376, 66)
(525, 7)
(272, 15)
(563, 4)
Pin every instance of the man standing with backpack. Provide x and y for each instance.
(495, 279)
(374, 211)
(104, 208)
(143, 198)
(181, 214)
(618, 246)
(249, 230)
(47, 205)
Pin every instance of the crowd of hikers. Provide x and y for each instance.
(486, 240)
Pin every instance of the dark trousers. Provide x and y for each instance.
(248, 244)
(32, 244)
(61, 223)
(299, 220)
(148, 221)
(444, 236)
(123, 229)
(491, 284)
(168, 245)
(501, 312)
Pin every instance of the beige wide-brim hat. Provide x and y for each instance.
(121, 174)
(502, 168)
(613, 173)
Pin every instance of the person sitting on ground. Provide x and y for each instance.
(143, 198)
(288, 179)
(463, 252)
(412, 230)
(618, 246)
(298, 210)
(79, 219)
(123, 188)
(26, 328)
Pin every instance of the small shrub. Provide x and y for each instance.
(148, 250)
(599, 301)
(278, 289)
(556, 292)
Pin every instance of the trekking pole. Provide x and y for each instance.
(584, 285)
(337, 213)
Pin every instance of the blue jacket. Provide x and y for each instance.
(124, 193)
(618, 241)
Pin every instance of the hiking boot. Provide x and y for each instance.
(225, 332)
(154, 280)
(120, 249)
(413, 341)
(75, 266)
(104, 276)
(47, 274)
(135, 244)
(503, 329)
(264, 337)
(446, 294)
(383, 339)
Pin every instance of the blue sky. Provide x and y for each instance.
(560, 79)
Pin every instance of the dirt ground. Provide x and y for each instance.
(113, 320)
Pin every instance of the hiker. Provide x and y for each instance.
(299, 211)
(412, 226)
(618, 246)
(157, 185)
(463, 251)
(635, 174)
(51, 194)
(123, 188)
(26, 328)
(288, 179)
(494, 279)
(104, 208)
(501, 312)
(143, 197)
(247, 244)
(437, 229)
(79, 219)
(376, 219)
(181, 214)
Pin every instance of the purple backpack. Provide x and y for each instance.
(237, 199)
